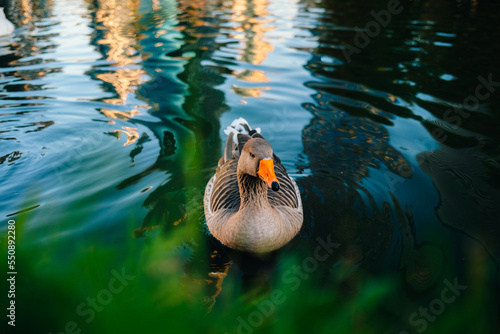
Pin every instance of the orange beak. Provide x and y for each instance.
(266, 173)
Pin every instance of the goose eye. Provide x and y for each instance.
(252, 155)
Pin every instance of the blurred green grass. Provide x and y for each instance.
(172, 289)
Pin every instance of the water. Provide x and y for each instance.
(112, 116)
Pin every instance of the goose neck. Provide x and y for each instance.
(253, 192)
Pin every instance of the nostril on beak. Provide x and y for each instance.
(275, 186)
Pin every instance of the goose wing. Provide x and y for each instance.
(225, 192)
(222, 190)
(289, 194)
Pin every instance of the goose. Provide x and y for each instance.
(251, 204)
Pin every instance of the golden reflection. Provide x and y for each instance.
(122, 115)
(131, 133)
(251, 32)
(215, 281)
(246, 21)
(29, 15)
(124, 81)
(116, 20)
(251, 76)
(26, 11)
(252, 29)
(249, 92)
(156, 5)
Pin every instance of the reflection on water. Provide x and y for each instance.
(116, 39)
(468, 184)
(111, 112)
(251, 28)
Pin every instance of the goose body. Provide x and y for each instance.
(251, 203)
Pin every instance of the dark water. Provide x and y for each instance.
(111, 119)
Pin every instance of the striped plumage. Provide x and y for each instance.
(241, 209)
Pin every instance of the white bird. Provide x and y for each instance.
(6, 27)
(251, 203)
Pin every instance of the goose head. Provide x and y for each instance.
(256, 159)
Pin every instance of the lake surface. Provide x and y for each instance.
(386, 114)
